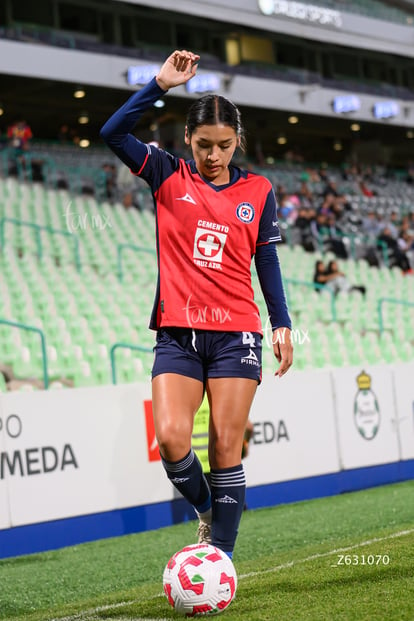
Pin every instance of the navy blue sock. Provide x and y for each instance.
(187, 476)
(228, 490)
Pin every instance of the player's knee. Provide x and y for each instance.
(173, 440)
(225, 451)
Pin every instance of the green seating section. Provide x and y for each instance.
(84, 312)
(354, 339)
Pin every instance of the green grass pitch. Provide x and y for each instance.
(349, 557)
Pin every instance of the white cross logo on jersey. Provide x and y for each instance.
(209, 245)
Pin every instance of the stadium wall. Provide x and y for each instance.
(83, 464)
(77, 67)
(349, 29)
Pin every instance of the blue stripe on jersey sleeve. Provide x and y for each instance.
(268, 227)
(270, 278)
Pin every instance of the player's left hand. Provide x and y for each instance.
(179, 67)
(283, 349)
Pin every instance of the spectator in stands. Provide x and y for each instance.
(110, 180)
(396, 255)
(19, 135)
(319, 275)
(312, 175)
(305, 194)
(370, 224)
(340, 201)
(331, 206)
(365, 190)
(391, 222)
(323, 173)
(336, 281)
(125, 182)
(328, 236)
(289, 207)
(405, 224)
(406, 245)
(303, 228)
(331, 188)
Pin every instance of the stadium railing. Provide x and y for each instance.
(124, 346)
(120, 250)
(23, 326)
(38, 230)
(380, 305)
(311, 285)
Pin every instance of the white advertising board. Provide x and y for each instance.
(7, 426)
(294, 428)
(366, 416)
(403, 375)
(78, 452)
(65, 453)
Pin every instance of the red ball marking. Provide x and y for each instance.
(184, 578)
(224, 578)
(167, 591)
(192, 548)
(202, 608)
(214, 557)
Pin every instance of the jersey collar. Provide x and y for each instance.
(235, 174)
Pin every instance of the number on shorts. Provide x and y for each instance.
(248, 339)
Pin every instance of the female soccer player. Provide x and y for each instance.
(212, 218)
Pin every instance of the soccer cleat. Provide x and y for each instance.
(204, 526)
(204, 532)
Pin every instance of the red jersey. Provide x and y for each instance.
(206, 238)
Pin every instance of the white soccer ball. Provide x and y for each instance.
(200, 580)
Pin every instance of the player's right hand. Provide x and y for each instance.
(179, 67)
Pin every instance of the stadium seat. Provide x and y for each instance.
(84, 312)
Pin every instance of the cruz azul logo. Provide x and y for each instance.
(24, 462)
(245, 212)
(366, 410)
(209, 242)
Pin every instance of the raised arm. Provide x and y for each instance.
(177, 69)
(117, 130)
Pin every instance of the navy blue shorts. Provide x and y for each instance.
(208, 353)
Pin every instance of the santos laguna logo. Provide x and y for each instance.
(24, 462)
